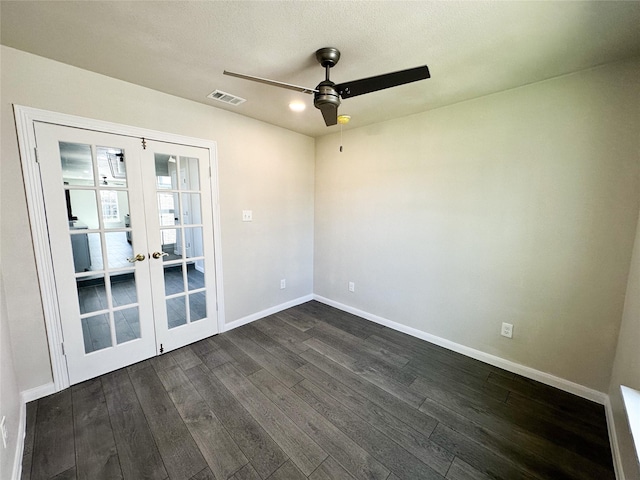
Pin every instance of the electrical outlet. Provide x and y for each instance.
(247, 215)
(3, 431)
(507, 330)
(352, 287)
(283, 284)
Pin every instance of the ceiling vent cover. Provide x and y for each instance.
(226, 97)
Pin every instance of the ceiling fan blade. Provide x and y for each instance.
(380, 82)
(330, 113)
(272, 82)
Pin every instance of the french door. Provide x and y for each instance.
(130, 225)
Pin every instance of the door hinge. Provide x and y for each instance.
(63, 352)
(35, 151)
(161, 349)
(144, 144)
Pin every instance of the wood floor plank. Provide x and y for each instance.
(484, 460)
(246, 473)
(137, 451)
(53, 451)
(185, 358)
(241, 360)
(282, 333)
(360, 360)
(322, 311)
(262, 451)
(203, 347)
(539, 457)
(402, 392)
(344, 321)
(541, 436)
(288, 471)
(550, 395)
(363, 383)
(31, 419)
(349, 454)
(389, 453)
(263, 358)
(586, 426)
(96, 453)
(415, 442)
(215, 358)
(283, 354)
(161, 362)
(465, 382)
(300, 448)
(330, 470)
(380, 397)
(298, 319)
(180, 454)
(27, 461)
(66, 475)
(428, 352)
(219, 450)
(347, 342)
(461, 470)
(205, 474)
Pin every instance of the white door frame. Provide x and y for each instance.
(25, 118)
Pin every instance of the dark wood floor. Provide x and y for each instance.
(313, 392)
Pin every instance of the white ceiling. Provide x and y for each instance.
(472, 48)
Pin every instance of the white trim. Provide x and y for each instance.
(613, 441)
(40, 235)
(22, 431)
(38, 392)
(27, 396)
(631, 400)
(25, 117)
(265, 313)
(508, 365)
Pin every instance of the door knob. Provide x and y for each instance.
(138, 258)
(159, 254)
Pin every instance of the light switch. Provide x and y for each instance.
(247, 215)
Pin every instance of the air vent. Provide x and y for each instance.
(226, 97)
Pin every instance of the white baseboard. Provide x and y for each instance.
(265, 313)
(532, 373)
(613, 440)
(37, 392)
(27, 396)
(22, 429)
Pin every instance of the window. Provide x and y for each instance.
(109, 201)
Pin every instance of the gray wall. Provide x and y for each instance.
(518, 207)
(261, 167)
(626, 367)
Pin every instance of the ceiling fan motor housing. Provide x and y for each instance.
(326, 95)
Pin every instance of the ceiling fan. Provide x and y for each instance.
(327, 95)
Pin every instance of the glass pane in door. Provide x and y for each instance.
(127, 323)
(77, 164)
(96, 331)
(97, 203)
(173, 279)
(180, 206)
(176, 312)
(123, 288)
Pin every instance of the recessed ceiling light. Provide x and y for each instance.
(297, 106)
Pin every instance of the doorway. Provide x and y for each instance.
(131, 227)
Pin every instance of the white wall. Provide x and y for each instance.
(518, 207)
(626, 367)
(9, 393)
(261, 167)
